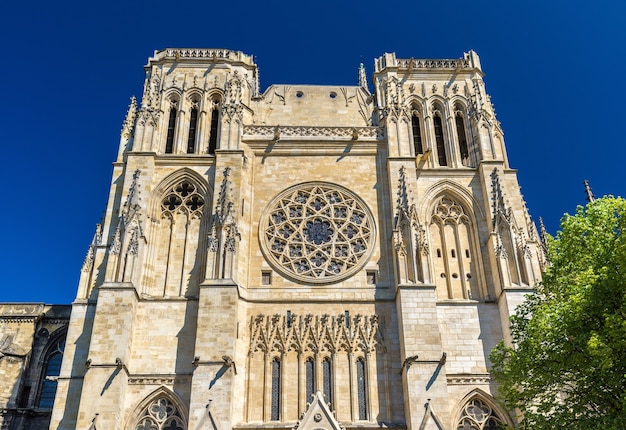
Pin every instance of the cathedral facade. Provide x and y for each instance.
(311, 257)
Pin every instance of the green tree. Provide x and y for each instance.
(567, 368)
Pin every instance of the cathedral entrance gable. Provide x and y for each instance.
(318, 416)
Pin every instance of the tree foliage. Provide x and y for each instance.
(567, 368)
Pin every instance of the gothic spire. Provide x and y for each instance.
(590, 196)
(129, 121)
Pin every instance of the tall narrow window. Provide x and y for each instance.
(417, 135)
(327, 381)
(441, 147)
(275, 405)
(460, 131)
(51, 374)
(171, 125)
(215, 117)
(310, 377)
(361, 387)
(193, 125)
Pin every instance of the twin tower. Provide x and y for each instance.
(311, 257)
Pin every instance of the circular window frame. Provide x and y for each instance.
(285, 268)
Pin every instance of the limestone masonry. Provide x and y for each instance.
(311, 257)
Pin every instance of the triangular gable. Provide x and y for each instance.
(318, 416)
(430, 421)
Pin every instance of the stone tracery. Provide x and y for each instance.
(317, 232)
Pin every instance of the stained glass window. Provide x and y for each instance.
(310, 377)
(361, 387)
(328, 393)
(478, 415)
(51, 375)
(161, 414)
(275, 405)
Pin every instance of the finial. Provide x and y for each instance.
(590, 196)
(129, 121)
(362, 76)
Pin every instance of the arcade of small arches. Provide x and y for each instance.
(454, 137)
(192, 123)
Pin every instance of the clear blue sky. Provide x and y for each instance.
(553, 69)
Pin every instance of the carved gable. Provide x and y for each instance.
(318, 416)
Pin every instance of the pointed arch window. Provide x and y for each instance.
(215, 120)
(460, 131)
(327, 380)
(193, 127)
(439, 141)
(478, 415)
(161, 414)
(275, 401)
(309, 369)
(451, 230)
(361, 385)
(417, 134)
(171, 128)
(52, 366)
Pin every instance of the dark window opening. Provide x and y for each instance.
(417, 135)
(213, 133)
(361, 387)
(310, 377)
(453, 253)
(193, 125)
(171, 125)
(441, 148)
(467, 253)
(328, 392)
(460, 131)
(275, 406)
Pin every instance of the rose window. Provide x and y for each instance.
(317, 232)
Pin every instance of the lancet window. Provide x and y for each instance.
(275, 403)
(451, 232)
(439, 140)
(171, 127)
(309, 367)
(478, 415)
(214, 128)
(460, 131)
(161, 414)
(180, 230)
(361, 385)
(193, 127)
(417, 134)
(327, 380)
(52, 366)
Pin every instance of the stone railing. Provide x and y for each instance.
(212, 54)
(288, 132)
(460, 63)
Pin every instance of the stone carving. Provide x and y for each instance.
(315, 333)
(97, 239)
(129, 122)
(182, 198)
(224, 218)
(317, 232)
(161, 414)
(412, 63)
(268, 131)
(232, 105)
(393, 106)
